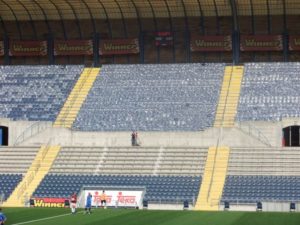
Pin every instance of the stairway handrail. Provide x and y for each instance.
(38, 126)
(75, 97)
(257, 133)
(35, 170)
(221, 132)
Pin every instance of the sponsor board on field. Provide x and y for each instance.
(261, 43)
(119, 46)
(210, 43)
(1, 48)
(27, 48)
(49, 202)
(73, 47)
(117, 198)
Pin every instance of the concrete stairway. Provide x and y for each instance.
(69, 112)
(213, 179)
(229, 96)
(35, 174)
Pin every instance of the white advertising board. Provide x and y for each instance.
(117, 198)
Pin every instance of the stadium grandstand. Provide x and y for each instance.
(164, 104)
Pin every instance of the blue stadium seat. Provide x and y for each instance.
(162, 97)
(35, 92)
(250, 189)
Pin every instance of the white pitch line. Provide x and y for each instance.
(47, 218)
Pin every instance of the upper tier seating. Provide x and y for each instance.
(270, 91)
(35, 92)
(158, 188)
(8, 183)
(163, 97)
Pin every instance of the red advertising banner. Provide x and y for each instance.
(119, 47)
(261, 43)
(1, 48)
(28, 48)
(294, 43)
(211, 43)
(49, 202)
(73, 47)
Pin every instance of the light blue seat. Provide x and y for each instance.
(35, 92)
(161, 97)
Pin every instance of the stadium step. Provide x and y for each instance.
(213, 179)
(35, 174)
(69, 111)
(229, 96)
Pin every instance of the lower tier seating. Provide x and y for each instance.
(166, 189)
(251, 189)
(8, 182)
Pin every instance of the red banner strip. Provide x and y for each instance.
(261, 43)
(211, 43)
(294, 43)
(119, 47)
(28, 48)
(1, 48)
(73, 47)
(49, 202)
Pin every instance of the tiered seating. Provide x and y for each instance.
(130, 161)
(163, 97)
(263, 175)
(270, 91)
(264, 161)
(35, 92)
(158, 188)
(169, 174)
(16, 160)
(262, 188)
(8, 182)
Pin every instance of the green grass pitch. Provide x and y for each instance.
(145, 217)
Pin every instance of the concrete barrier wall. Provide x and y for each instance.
(233, 137)
(213, 136)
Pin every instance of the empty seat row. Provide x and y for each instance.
(270, 92)
(250, 189)
(158, 188)
(35, 92)
(8, 183)
(163, 97)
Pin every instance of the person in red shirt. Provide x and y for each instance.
(73, 204)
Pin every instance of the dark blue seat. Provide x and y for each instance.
(158, 188)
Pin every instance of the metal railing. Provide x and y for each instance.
(254, 132)
(31, 131)
(34, 171)
(219, 137)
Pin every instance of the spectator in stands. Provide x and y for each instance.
(88, 204)
(103, 199)
(2, 217)
(136, 139)
(73, 201)
(133, 138)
